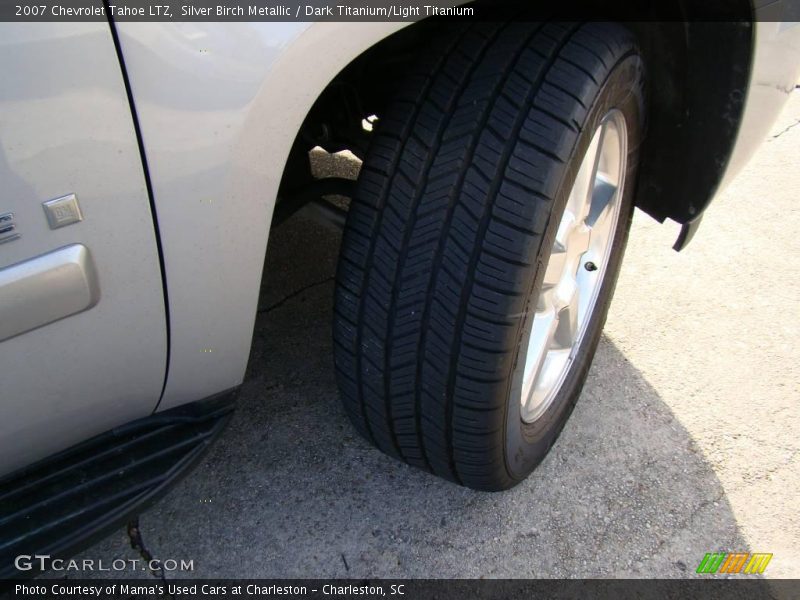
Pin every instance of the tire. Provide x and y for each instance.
(449, 234)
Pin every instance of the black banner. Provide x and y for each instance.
(683, 589)
(395, 11)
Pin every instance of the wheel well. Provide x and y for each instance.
(698, 74)
(698, 78)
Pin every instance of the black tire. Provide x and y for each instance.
(455, 210)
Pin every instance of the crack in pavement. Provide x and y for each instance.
(137, 544)
(293, 295)
(792, 126)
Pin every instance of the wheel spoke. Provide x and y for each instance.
(583, 187)
(552, 367)
(565, 227)
(567, 317)
(602, 203)
(579, 243)
(555, 267)
(543, 329)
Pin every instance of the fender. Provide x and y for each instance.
(219, 106)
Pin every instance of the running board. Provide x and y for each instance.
(62, 504)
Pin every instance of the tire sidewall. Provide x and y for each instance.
(526, 444)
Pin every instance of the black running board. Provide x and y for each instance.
(58, 506)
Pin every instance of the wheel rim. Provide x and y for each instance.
(576, 268)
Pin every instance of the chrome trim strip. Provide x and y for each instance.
(9, 238)
(7, 226)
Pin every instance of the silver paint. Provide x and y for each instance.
(65, 126)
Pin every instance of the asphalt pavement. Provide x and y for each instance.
(685, 439)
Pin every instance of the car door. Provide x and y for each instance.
(83, 334)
